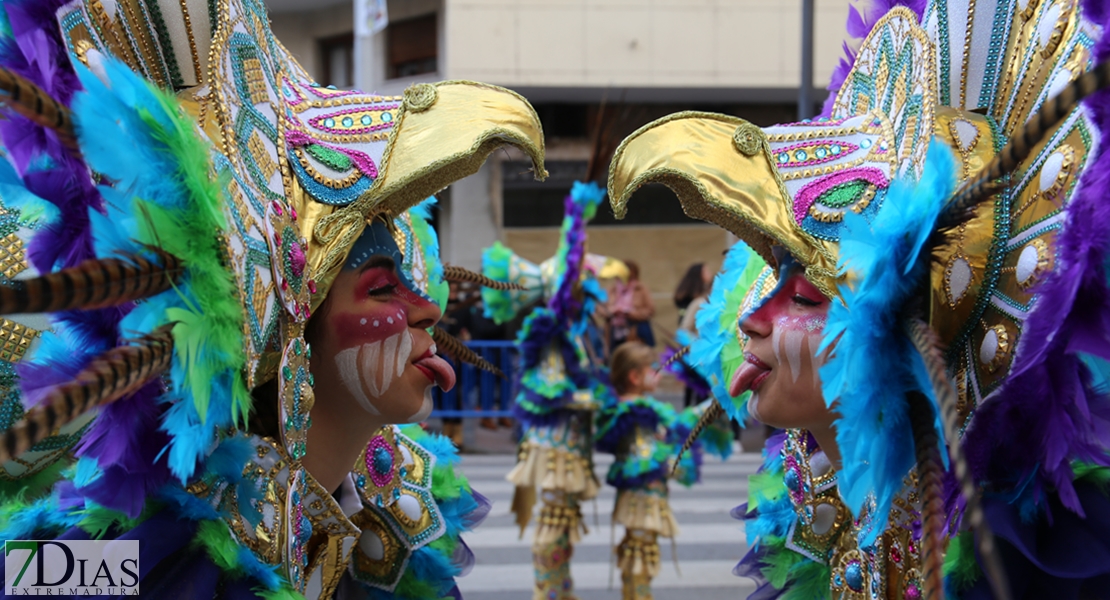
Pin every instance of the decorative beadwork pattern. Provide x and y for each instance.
(15, 340)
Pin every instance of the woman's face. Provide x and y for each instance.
(373, 350)
(781, 362)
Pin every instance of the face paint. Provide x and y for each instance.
(372, 368)
(425, 408)
(793, 333)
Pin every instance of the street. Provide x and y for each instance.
(709, 545)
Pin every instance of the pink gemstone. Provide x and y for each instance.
(277, 239)
(296, 260)
(312, 286)
(293, 213)
(307, 312)
(284, 285)
(895, 554)
(913, 592)
(277, 208)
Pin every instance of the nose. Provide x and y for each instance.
(756, 324)
(423, 314)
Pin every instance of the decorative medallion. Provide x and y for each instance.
(297, 397)
(995, 348)
(379, 469)
(1033, 262)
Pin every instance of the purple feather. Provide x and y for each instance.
(124, 439)
(565, 305)
(1048, 413)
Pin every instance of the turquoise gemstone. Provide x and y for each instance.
(784, 157)
(853, 575)
(383, 460)
(348, 122)
(821, 152)
(329, 122)
(865, 144)
(361, 481)
(835, 149)
(801, 155)
(387, 117)
(791, 479)
(367, 119)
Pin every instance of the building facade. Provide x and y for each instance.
(587, 66)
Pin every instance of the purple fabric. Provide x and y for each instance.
(548, 418)
(475, 517)
(751, 566)
(1047, 415)
(463, 558)
(1065, 557)
(859, 26)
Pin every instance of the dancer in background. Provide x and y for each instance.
(561, 383)
(937, 285)
(645, 436)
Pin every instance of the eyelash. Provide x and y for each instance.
(803, 301)
(384, 290)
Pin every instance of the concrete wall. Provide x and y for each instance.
(300, 31)
(635, 43)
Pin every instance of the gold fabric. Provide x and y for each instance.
(428, 150)
(646, 509)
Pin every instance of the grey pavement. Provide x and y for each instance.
(709, 544)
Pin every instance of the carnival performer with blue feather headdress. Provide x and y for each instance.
(242, 284)
(932, 328)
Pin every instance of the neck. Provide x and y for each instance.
(826, 439)
(334, 443)
(630, 395)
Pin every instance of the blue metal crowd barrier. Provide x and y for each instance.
(479, 393)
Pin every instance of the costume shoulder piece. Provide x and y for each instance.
(415, 504)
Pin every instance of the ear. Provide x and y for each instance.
(636, 377)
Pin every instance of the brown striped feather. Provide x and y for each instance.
(33, 103)
(452, 346)
(95, 283)
(109, 377)
(929, 473)
(453, 273)
(927, 343)
(712, 413)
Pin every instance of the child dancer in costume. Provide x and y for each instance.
(938, 285)
(287, 283)
(560, 384)
(644, 435)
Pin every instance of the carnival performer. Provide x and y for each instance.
(241, 287)
(561, 384)
(937, 285)
(645, 436)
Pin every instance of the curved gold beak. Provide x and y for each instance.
(721, 169)
(446, 133)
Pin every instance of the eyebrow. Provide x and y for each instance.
(377, 262)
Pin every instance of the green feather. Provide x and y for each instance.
(961, 569)
(208, 339)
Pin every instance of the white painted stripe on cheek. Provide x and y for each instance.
(346, 362)
(369, 367)
(404, 351)
(776, 335)
(814, 342)
(793, 344)
(389, 357)
(425, 407)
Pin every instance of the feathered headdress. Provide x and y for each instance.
(958, 281)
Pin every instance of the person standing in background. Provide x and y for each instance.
(691, 293)
(630, 309)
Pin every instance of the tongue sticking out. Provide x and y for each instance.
(744, 377)
(445, 375)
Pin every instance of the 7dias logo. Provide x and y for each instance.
(71, 568)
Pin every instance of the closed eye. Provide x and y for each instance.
(803, 301)
(384, 290)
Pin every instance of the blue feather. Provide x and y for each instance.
(873, 364)
(705, 350)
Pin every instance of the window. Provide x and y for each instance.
(412, 47)
(530, 203)
(339, 61)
